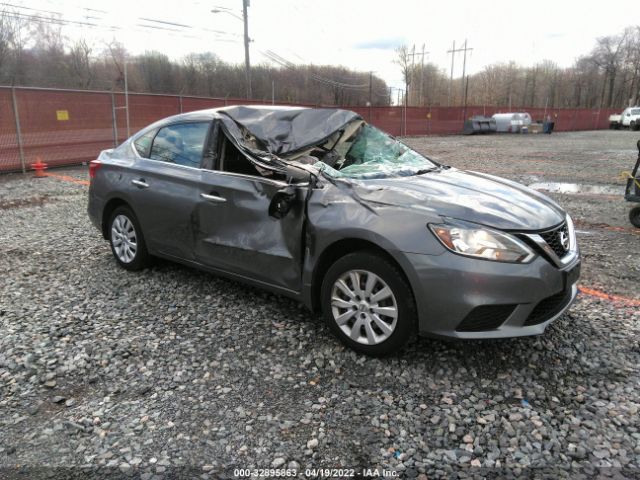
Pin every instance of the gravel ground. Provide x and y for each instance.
(173, 372)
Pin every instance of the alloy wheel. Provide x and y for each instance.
(364, 307)
(124, 238)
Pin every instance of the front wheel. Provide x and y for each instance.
(634, 125)
(126, 240)
(634, 216)
(368, 304)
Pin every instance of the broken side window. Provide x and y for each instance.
(233, 160)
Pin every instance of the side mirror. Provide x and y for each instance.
(281, 202)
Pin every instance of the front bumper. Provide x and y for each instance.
(466, 298)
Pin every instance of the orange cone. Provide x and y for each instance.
(39, 167)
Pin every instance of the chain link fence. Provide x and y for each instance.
(67, 127)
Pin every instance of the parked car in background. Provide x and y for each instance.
(629, 118)
(318, 205)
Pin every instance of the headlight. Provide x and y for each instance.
(480, 242)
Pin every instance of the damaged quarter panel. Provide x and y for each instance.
(334, 215)
(398, 228)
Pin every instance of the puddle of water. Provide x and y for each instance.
(560, 187)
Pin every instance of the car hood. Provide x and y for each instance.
(465, 195)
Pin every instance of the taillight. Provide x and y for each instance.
(94, 165)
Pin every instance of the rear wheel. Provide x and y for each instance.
(126, 240)
(368, 304)
(634, 125)
(634, 216)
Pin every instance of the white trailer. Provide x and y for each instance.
(511, 122)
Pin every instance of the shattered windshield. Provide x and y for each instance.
(371, 153)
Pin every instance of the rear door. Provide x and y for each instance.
(235, 231)
(165, 185)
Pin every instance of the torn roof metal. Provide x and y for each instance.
(285, 130)
(275, 129)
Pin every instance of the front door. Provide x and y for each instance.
(235, 232)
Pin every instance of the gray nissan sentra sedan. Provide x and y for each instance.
(320, 206)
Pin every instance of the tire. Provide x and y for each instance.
(633, 125)
(126, 240)
(362, 324)
(634, 216)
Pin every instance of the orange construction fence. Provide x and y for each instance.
(67, 127)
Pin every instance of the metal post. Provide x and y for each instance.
(370, 94)
(180, 102)
(466, 92)
(126, 96)
(114, 119)
(247, 63)
(405, 111)
(273, 92)
(16, 117)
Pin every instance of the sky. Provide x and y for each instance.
(358, 34)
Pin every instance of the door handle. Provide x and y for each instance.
(213, 198)
(140, 183)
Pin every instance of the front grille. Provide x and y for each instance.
(553, 239)
(548, 308)
(485, 317)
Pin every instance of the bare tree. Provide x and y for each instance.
(608, 55)
(81, 64)
(403, 60)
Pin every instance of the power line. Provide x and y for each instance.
(61, 22)
(286, 63)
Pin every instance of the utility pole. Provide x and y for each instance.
(464, 69)
(421, 55)
(453, 51)
(247, 63)
(413, 70)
